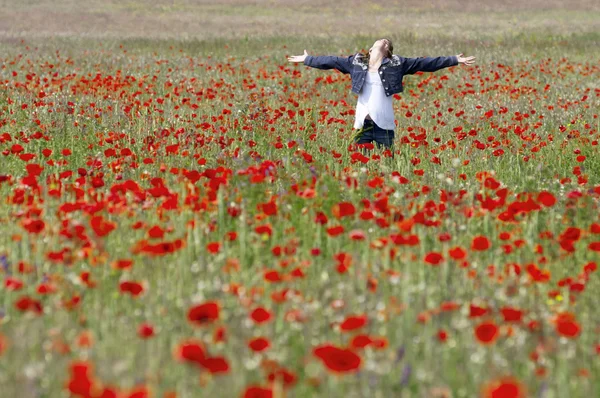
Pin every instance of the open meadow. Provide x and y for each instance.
(183, 213)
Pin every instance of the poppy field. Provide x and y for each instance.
(180, 224)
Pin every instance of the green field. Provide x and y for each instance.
(182, 213)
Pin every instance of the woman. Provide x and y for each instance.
(375, 78)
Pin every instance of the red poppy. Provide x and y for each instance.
(215, 364)
(343, 209)
(476, 311)
(13, 284)
(33, 226)
(46, 288)
(191, 351)
(337, 359)
(138, 392)
(590, 267)
(344, 261)
(504, 236)
(219, 335)
(366, 215)
(81, 380)
(360, 341)
(357, 234)
(132, 288)
(571, 234)
(537, 274)
(26, 303)
(480, 243)
(486, 332)
(145, 331)
(434, 258)
(457, 253)
(258, 392)
(156, 232)
(102, 227)
(307, 157)
(442, 335)
(269, 208)
(260, 315)
(205, 313)
(276, 251)
(335, 231)
(158, 249)
(272, 276)
(259, 344)
(321, 218)
(283, 375)
(448, 306)
(359, 157)
(511, 314)
(410, 240)
(567, 326)
(122, 264)
(353, 323)
(264, 230)
(380, 342)
(546, 198)
(213, 247)
(506, 387)
(577, 287)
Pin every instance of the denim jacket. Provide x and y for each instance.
(391, 71)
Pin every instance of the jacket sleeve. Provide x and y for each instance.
(427, 64)
(343, 64)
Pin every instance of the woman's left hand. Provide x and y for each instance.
(465, 60)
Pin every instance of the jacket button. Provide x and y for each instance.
(382, 80)
(381, 72)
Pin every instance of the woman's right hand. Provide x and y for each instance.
(465, 60)
(298, 58)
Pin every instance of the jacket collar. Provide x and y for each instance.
(359, 59)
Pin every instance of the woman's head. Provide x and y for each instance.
(385, 46)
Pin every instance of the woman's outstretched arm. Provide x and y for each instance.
(429, 64)
(343, 64)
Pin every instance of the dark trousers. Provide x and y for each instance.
(371, 132)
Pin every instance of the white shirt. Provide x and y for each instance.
(372, 101)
